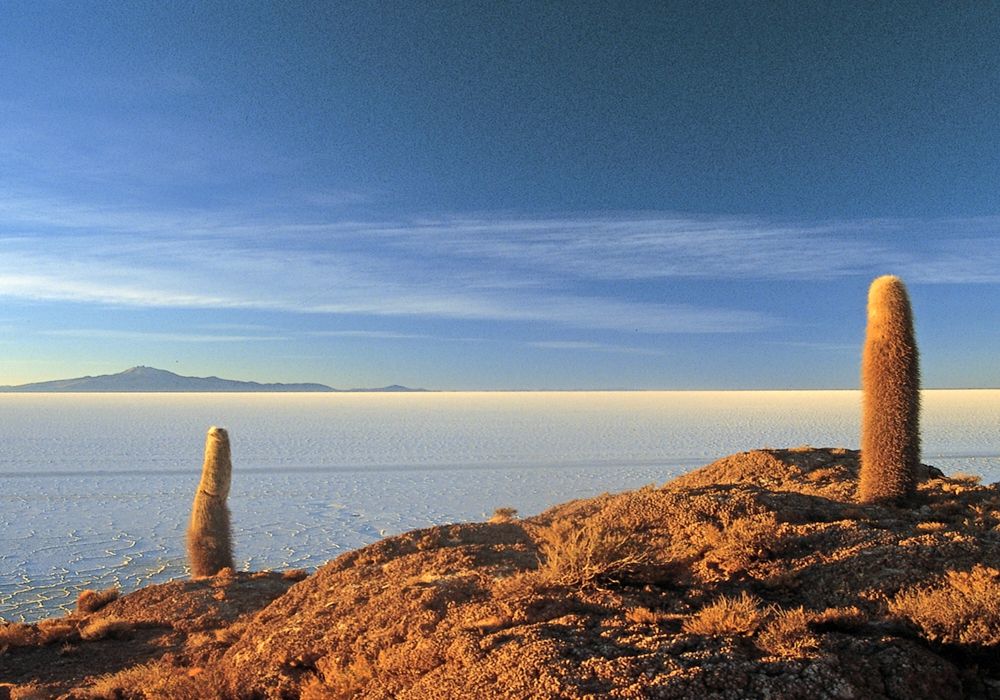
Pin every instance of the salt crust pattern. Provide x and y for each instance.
(96, 488)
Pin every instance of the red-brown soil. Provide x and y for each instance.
(758, 576)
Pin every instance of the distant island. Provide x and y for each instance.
(150, 379)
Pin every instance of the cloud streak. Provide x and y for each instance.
(160, 337)
(594, 347)
(664, 247)
(565, 272)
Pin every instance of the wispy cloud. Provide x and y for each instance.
(564, 272)
(594, 347)
(55, 287)
(161, 337)
(663, 247)
(379, 335)
(824, 347)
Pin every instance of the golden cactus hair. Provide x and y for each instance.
(209, 538)
(890, 388)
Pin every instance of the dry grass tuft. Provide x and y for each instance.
(788, 635)
(963, 609)
(575, 555)
(981, 517)
(645, 616)
(56, 629)
(823, 474)
(742, 542)
(15, 634)
(728, 617)
(849, 619)
(107, 627)
(231, 634)
(91, 601)
(337, 683)
(152, 682)
(295, 575)
(30, 691)
(517, 585)
(503, 515)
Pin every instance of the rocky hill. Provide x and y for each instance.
(152, 380)
(758, 576)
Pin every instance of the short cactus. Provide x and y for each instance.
(209, 539)
(890, 383)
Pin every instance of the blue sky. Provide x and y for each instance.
(484, 195)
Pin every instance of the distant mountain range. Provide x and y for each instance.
(149, 379)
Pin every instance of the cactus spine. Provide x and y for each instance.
(209, 540)
(890, 385)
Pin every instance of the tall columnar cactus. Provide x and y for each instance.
(890, 384)
(209, 540)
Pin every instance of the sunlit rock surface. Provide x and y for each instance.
(758, 576)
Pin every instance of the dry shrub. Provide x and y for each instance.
(107, 627)
(645, 616)
(15, 634)
(823, 474)
(982, 517)
(849, 619)
(517, 585)
(741, 542)
(201, 639)
(295, 575)
(56, 629)
(574, 555)
(230, 635)
(337, 683)
(728, 617)
(91, 601)
(788, 635)
(152, 681)
(503, 515)
(963, 609)
(30, 691)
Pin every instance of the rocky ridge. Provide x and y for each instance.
(758, 576)
(152, 380)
